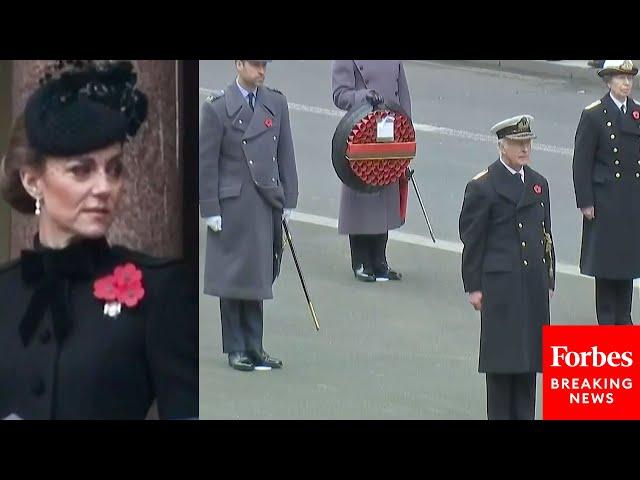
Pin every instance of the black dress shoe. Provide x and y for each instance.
(363, 274)
(240, 361)
(388, 274)
(263, 359)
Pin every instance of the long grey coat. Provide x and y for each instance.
(369, 213)
(247, 173)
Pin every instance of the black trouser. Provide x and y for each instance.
(511, 396)
(613, 301)
(241, 325)
(370, 251)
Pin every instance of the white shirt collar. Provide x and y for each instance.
(617, 102)
(513, 172)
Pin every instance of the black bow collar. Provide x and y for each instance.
(50, 271)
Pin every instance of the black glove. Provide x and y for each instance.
(374, 98)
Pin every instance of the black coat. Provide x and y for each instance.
(501, 227)
(62, 357)
(606, 175)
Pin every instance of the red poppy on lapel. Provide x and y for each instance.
(636, 115)
(537, 188)
(123, 286)
(268, 122)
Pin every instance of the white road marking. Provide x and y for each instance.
(421, 127)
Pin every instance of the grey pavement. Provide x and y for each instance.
(465, 99)
(396, 350)
(575, 70)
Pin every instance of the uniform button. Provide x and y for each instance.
(637, 175)
(274, 159)
(617, 174)
(274, 138)
(38, 387)
(638, 162)
(615, 150)
(525, 263)
(608, 124)
(605, 111)
(244, 142)
(617, 162)
(541, 242)
(45, 336)
(544, 260)
(240, 122)
(250, 162)
(519, 225)
(613, 136)
(273, 179)
(524, 244)
(542, 204)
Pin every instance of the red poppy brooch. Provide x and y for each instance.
(124, 285)
(537, 188)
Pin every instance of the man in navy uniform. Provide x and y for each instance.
(606, 178)
(248, 181)
(508, 269)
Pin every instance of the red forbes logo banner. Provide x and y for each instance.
(591, 373)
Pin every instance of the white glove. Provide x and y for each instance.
(286, 214)
(215, 223)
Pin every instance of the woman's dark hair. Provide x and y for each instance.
(19, 155)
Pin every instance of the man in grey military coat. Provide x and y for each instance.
(367, 217)
(248, 181)
(508, 269)
(606, 177)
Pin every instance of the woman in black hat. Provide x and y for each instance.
(88, 330)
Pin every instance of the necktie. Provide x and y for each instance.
(250, 98)
(622, 109)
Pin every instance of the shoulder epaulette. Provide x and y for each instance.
(215, 96)
(594, 104)
(481, 174)
(274, 90)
